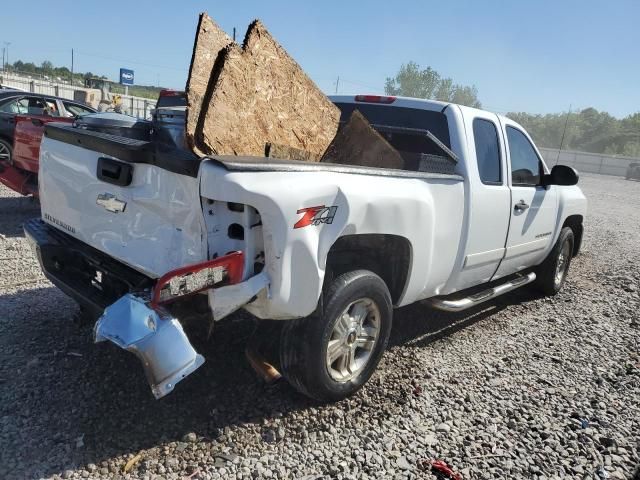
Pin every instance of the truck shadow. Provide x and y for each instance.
(14, 211)
(87, 403)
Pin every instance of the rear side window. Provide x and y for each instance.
(485, 136)
(525, 164)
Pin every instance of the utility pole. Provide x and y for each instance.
(6, 44)
(234, 34)
(72, 66)
(337, 84)
(3, 49)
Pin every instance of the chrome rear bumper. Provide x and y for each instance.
(155, 337)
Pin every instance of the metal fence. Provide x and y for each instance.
(136, 106)
(589, 162)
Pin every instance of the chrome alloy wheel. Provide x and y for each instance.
(563, 263)
(5, 153)
(353, 339)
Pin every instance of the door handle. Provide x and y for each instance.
(37, 122)
(114, 171)
(521, 206)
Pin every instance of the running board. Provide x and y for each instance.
(478, 298)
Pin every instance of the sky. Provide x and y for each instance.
(532, 56)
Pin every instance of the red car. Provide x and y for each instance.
(22, 119)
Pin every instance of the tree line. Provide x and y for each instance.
(46, 70)
(412, 81)
(587, 130)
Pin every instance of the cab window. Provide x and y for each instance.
(526, 166)
(485, 136)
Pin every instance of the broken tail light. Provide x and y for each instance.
(200, 276)
(375, 99)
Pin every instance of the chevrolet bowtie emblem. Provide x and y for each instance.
(111, 203)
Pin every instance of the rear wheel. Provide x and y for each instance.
(5, 152)
(552, 273)
(331, 355)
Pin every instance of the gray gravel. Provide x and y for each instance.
(525, 387)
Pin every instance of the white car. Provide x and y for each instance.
(132, 232)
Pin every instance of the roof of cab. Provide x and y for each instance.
(411, 102)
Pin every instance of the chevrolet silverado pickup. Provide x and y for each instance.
(139, 233)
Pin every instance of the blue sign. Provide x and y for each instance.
(126, 76)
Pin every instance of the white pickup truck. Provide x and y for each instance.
(137, 233)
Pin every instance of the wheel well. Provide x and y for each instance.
(388, 256)
(574, 222)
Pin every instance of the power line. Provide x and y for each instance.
(123, 60)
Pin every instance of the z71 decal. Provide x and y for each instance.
(315, 216)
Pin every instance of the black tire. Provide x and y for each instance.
(304, 342)
(6, 147)
(550, 276)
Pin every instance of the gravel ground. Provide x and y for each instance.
(524, 387)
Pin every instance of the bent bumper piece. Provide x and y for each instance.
(155, 337)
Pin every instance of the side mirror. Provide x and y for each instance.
(561, 175)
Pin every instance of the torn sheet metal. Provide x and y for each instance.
(226, 300)
(156, 338)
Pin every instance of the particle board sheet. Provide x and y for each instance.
(274, 150)
(209, 42)
(357, 143)
(261, 96)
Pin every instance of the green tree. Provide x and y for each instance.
(412, 81)
(588, 130)
(47, 67)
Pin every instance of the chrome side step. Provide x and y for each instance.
(477, 298)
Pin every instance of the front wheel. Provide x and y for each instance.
(6, 152)
(551, 274)
(331, 355)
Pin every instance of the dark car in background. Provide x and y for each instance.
(633, 171)
(169, 118)
(23, 116)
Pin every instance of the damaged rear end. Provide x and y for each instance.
(125, 233)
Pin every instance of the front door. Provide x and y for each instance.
(533, 206)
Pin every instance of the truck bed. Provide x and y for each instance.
(187, 163)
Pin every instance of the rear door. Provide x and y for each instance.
(533, 206)
(27, 137)
(489, 198)
(9, 108)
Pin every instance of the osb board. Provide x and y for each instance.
(288, 153)
(209, 42)
(357, 143)
(260, 95)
